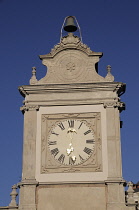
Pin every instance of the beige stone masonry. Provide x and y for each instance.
(29, 145)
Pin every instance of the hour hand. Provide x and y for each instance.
(70, 150)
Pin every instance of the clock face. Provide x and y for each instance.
(71, 142)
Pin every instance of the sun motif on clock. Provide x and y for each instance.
(71, 142)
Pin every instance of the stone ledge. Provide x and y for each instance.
(76, 87)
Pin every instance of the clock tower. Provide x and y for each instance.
(72, 148)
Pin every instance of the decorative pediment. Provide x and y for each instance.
(70, 62)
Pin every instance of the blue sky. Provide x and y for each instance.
(29, 28)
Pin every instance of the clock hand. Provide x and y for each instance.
(71, 132)
(70, 149)
(72, 160)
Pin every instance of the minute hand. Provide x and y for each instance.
(71, 132)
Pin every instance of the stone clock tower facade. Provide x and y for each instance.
(72, 148)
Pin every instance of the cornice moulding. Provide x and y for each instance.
(81, 87)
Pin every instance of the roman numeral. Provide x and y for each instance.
(90, 141)
(71, 161)
(87, 150)
(80, 125)
(52, 142)
(81, 158)
(61, 126)
(61, 158)
(89, 131)
(71, 123)
(54, 152)
(55, 133)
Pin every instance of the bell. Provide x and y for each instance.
(70, 25)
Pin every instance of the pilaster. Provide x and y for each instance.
(113, 141)
(29, 142)
(115, 196)
(28, 183)
(27, 196)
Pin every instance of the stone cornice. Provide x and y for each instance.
(28, 182)
(115, 181)
(65, 102)
(66, 88)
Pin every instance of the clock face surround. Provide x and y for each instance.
(71, 142)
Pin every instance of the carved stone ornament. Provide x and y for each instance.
(70, 66)
(49, 164)
(109, 77)
(70, 61)
(29, 108)
(71, 41)
(114, 104)
(130, 191)
(13, 195)
(33, 79)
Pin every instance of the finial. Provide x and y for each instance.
(130, 187)
(108, 68)
(13, 195)
(109, 77)
(33, 70)
(130, 191)
(33, 79)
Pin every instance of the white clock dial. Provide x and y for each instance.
(71, 142)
